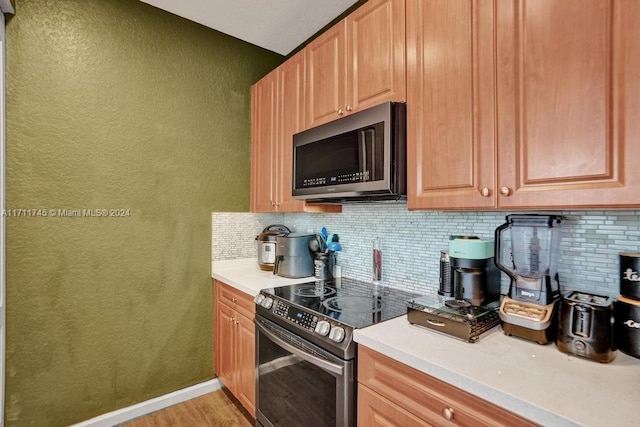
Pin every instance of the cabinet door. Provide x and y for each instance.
(427, 398)
(568, 103)
(246, 368)
(375, 54)
(375, 410)
(225, 346)
(263, 143)
(326, 76)
(291, 77)
(450, 104)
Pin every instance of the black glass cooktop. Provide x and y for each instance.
(352, 302)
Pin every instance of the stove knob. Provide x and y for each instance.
(337, 334)
(258, 299)
(267, 303)
(323, 327)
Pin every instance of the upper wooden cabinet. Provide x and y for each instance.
(278, 114)
(450, 104)
(264, 144)
(291, 81)
(521, 105)
(358, 63)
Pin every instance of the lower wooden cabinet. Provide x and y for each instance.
(375, 410)
(393, 394)
(235, 343)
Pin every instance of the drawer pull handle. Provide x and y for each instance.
(435, 322)
(448, 413)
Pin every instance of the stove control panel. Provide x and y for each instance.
(280, 308)
(302, 318)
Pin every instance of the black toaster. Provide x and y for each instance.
(585, 326)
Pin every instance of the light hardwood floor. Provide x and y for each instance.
(213, 409)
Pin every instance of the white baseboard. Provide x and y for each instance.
(152, 405)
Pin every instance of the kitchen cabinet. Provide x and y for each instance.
(391, 393)
(357, 63)
(523, 105)
(264, 150)
(278, 114)
(235, 343)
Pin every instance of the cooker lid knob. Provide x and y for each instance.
(323, 327)
(337, 334)
(267, 303)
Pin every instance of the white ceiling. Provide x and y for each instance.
(276, 25)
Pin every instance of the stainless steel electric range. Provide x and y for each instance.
(305, 353)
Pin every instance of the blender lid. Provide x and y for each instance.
(536, 220)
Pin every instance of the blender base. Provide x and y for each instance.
(542, 337)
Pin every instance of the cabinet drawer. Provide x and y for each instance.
(375, 410)
(428, 398)
(235, 299)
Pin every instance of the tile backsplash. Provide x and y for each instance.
(411, 241)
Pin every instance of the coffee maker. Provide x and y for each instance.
(466, 305)
(475, 279)
(530, 309)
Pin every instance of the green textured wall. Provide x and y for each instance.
(113, 104)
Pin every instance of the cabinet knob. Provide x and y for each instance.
(236, 321)
(234, 299)
(349, 108)
(340, 112)
(448, 413)
(231, 319)
(485, 192)
(505, 191)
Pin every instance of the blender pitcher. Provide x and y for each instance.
(535, 241)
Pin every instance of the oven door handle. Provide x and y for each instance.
(323, 364)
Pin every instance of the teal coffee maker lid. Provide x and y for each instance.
(470, 247)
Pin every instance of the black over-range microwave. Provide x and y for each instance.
(358, 158)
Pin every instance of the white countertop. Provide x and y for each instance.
(245, 275)
(537, 382)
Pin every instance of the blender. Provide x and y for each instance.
(530, 309)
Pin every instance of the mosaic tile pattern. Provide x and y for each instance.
(234, 233)
(411, 241)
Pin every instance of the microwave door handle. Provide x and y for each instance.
(367, 154)
(363, 152)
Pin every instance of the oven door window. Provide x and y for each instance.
(295, 390)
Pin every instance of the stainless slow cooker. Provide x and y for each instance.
(267, 245)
